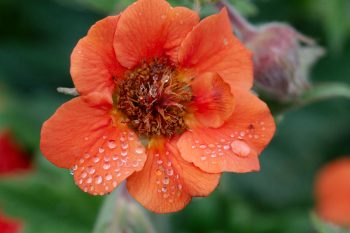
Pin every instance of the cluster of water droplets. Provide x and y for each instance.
(167, 179)
(100, 170)
(235, 143)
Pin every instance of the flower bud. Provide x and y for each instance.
(282, 56)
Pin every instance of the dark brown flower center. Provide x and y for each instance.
(153, 99)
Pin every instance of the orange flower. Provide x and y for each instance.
(332, 192)
(12, 158)
(9, 225)
(165, 103)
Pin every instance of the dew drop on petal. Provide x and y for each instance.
(139, 150)
(96, 159)
(109, 177)
(106, 166)
(112, 144)
(101, 150)
(84, 175)
(166, 180)
(98, 180)
(240, 148)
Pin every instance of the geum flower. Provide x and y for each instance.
(332, 192)
(165, 104)
(8, 225)
(13, 160)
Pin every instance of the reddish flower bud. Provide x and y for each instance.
(282, 56)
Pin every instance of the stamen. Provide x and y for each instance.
(153, 99)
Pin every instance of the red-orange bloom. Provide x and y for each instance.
(12, 158)
(332, 192)
(165, 104)
(9, 225)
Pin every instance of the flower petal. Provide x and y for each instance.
(151, 28)
(181, 22)
(116, 155)
(212, 47)
(101, 153)
(167, 182)
(93, 61)
(213, 101)
(234, 146)
(64, 136)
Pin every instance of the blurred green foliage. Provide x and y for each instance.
(35, 45)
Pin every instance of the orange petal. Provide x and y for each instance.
(181, 22)
(93, 61)
(115, 155)
(212, 47)
(332, 192)
(234, 146)
(100, 153)
(151, 28)
(213, 100)
(74, 127)
(167, 182)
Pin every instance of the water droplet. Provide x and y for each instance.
(84, 175)
(165, 78)
(170, 171)
(81, 161)
(96, 159)
(90, 170)
(124, 153)
(164, 189)
(159, 161)
(115, 157)
(226, 147)
(98, 180)
(106, 158)
(139, 150)
(112, 144)
(240, 148)
(114, 184)
(125, 145)
(101, 150)
(109, 177)
(135, 164)
(106, 166)
(75, 167)
(89, 180)
(158, 172)
(166, 180)
(203, 158)
(202, 146)
(179, 186)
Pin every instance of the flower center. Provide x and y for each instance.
(153, 98)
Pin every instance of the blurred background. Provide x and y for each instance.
(36, 39)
